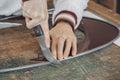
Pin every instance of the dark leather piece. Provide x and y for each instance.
(97, 33)
(24, 49)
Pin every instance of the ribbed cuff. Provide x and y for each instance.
(66, 16)
(66, 21)
(25, 0)
(69, 13)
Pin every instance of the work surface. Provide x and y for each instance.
(101, 65)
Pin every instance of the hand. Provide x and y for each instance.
(35, 13)
(63, 35)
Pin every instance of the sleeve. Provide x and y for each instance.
(9, 7)
(69, 11)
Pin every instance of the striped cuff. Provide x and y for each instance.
(66, 16)
(64, 20)
(25, 0)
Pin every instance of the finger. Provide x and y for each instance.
(67, 48)
(60, 48)
(46, 33)
(26, 9)
(32, 23)
(74, 48)
(27, 19)
(25, 14)
(54, 48)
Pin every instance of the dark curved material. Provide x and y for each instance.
(98, 34)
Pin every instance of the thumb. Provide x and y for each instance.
(45, 29)
(31, 23)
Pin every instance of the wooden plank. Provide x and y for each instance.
(18, 46)
(102, 65)
(111, 4)
(50, 4)
(104, 12)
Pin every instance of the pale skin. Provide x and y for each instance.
(61, 35)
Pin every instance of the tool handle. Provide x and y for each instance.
(38, 30)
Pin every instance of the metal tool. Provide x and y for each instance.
(8, 24)
(96, 44)
(44, 49)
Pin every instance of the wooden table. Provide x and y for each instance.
(101, 65)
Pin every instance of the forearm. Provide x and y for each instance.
(68, 10)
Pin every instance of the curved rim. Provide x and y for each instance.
(99, 47)
(78, 55)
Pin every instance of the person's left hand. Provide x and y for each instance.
(62, 36)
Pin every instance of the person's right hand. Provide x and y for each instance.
(64, 41)
(35, 13)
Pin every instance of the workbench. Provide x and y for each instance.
(101, 65)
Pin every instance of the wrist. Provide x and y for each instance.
(64, 22)
(64, 25)
(67, 17)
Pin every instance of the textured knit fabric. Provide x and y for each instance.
(75, 6)
(9, 7)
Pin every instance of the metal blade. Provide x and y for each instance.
(46, 51)
(41, 39)
(7, 25)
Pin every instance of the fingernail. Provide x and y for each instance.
(54, 57)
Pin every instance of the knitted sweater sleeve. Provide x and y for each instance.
(69, 10)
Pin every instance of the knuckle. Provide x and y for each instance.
(69, 40)
(61, 39)
(59, 42)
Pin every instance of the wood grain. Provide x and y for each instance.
(104, 12)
